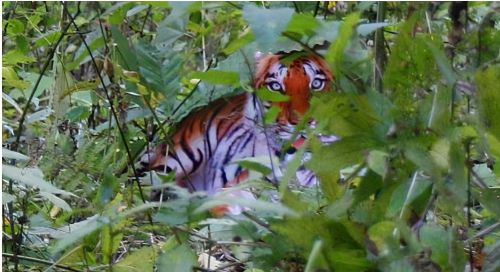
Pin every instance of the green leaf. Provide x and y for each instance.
(315, 253)
(303, 24)
(10, 79)
(9, 154)
(139, 260)
(443, 64)
(31, 177)
(436, 239)
(218, 77)
(48, 38)
(405, 194)
(488, 97)
(267, 95)
(267, 25)
(335, 53)
(78, 113)
(181, 258)
(327, 161)
(492, 261)
(256, 164)
(378, 162)
(6, 198)
(381, 235)
(271, 114)
(58, 202)
(15, 56)
(365, 29)
(238, 43)
(77, 231)
(127, 56)
(15, 27)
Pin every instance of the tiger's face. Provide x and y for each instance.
(299, 79)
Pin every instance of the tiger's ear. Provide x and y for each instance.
(262, 63)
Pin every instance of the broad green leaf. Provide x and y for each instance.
(10, 79)
(58, 202)
(335, 53)
(139, 260)
(381, 235)
(327, 161)
(349, 260)
(78, 113)
(435, 238)
(302, 24)
(443, 64)
(365, 29)
(49, 38)
(133, 11)
(405, 194)
(315, 253)
(15, 56)
(126, 54)
(267, 25)
(9, 154)
(238, 43)
(271, 114)
(259, 164)
(6, 198)
(40, 115)
(492, 261)
(181, 258)
(31, 177)
(256, 204)
(15, 27)
(267, 95)
(218, 77)
(487, 81)
(78, 231)
(378, 162)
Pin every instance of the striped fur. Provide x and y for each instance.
(208, 141)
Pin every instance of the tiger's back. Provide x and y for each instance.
(208, 141)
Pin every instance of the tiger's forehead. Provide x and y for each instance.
(279, 67)
(279, 70)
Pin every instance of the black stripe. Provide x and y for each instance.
(245, 143)
(223, 176)
(207, 128)
(187, 149)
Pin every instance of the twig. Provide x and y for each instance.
(316, 9)
(145, 20)
(257, 220)
(37, 83)
(113, 111)
(380, 55)
(36, 260)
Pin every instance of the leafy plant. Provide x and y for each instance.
(412, 184)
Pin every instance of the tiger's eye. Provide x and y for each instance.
(274, 86)
(317, 84)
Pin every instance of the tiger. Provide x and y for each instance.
(209, 140)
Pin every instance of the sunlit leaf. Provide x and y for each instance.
(9, 154)
(218, 77)
(31, 177)
(181, 258)
(58, 202)
(267, 25)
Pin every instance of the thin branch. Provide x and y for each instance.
(115, 115)
(145, 20)
(316, 9)
(36, 260)
(380, 54)
(37, 83)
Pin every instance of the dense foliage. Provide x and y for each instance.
(413, 184)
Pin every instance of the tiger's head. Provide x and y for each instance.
(297, 78)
